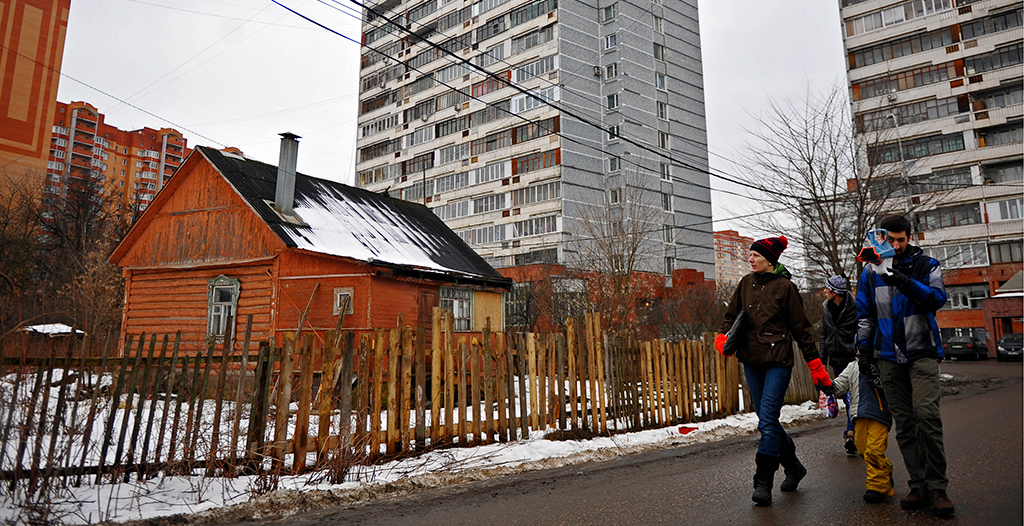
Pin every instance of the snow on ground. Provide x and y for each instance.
(232, 498)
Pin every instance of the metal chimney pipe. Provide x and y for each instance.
(284, 197)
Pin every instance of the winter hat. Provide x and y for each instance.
(771, 248)
(837, 284)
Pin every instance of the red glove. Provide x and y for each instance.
(720, 344)
(820, 375)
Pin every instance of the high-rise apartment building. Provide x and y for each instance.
(936, 88)
(124, 168)
(731, 253)
(589, 123)
(32, 34)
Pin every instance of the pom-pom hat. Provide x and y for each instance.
(771, 248)
(837, 284)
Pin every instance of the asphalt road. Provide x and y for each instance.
(711, 483)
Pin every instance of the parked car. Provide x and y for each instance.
(964, 348)
(1009, 348)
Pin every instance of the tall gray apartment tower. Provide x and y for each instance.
(589, 124)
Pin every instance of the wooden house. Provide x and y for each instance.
(229, 237)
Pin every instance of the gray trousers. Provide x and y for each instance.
(913, 392)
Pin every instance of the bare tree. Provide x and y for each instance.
(803, 159)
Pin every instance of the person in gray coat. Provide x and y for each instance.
(838, 339)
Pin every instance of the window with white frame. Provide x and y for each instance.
(614, 196)
(658, 24)
(460, 303)
(663, 110)
(222, 301)
(343, 296)
(614, 164)
(669, 264)
(965, 296)
(612, 100)
(1006, 252)
(610, 41)
(613, 132)
(666, 172)
(666, 202)
(659, 51)
(961, 255)
(607, 13)
(663, 140)
(660, 81)
(611, 70)
(1006, 209)
(668, 233)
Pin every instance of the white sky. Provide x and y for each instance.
(238, 72)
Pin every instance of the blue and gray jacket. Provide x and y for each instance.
(899, 325)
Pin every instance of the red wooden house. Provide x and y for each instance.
(229, 237)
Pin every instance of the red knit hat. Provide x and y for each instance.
(771, 248)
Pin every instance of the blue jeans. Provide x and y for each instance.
(768, 393)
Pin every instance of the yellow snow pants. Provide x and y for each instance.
(872, 439)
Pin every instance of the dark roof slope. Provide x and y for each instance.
(340, 220)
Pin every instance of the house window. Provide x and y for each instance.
(965, 296)
(611, 70)
(663, 110)
(666, 172)
(222, 300)
(614, 164)
(343, 296)
(610, 41)
(663, 140)
(613, 132)
(460, 303)
(660, 81)
(666, 202)
(607, 13)
(658, 24)
(613, 101)
(659, 51)
(668, 233)
(614, 196)
(1005, 252)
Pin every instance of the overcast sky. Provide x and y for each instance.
(238, 72)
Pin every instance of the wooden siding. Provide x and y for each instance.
(202, 221)
(168, 301)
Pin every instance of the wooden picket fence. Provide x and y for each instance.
(361, 398)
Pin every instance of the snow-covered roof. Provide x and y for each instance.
(339, 220)
(51, 329)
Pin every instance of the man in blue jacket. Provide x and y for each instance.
(896, 328)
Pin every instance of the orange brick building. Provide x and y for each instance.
(731, 251)
(32, 33)
(126, 168)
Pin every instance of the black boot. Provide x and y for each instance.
(764, 478)
(795, 471)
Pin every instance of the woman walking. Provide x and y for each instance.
(774, 318)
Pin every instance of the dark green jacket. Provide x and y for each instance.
(775, 319)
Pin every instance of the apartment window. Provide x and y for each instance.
(451, 98)
(419, 136)
(453, 153)
(124, 162)
(610, 41)
(658, 24)
(666, 172)
(891, 49)
(491, 142)
(660, 81)
(969, 214)
(535, 68)
(492, 56)
(1004, 173)
(669, 264)
(614, 164)
(489, 203)
(491, 172)
(1005, 252)
(343, 296)
(663, 140)
(663, 110)
(138, 164)
(613, 132)
(492, 27)
(613, 101)
(460, 303)
(1011, 134)
(614, 196)
(668, 233)
(1000, 99)
(1007, 209)
(1000, 58)
(666, 202)
(965, 296)
(611, 70)
(490, 85)
(659, 51)
(533, 39)
(607, 13)
(990, 24)
(535, 226)
(222, 300)
(916, 148)
(534, 99)
(452, 210)
(536, 193)
(483, 234)
(536, 161)
(530, 11)
(958, 256)
(527, 132)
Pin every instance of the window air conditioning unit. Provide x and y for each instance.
(597, 71)
(892, 97)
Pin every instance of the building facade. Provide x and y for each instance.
(936, 90)
(731, 253)
(588, 123)
(32, 33)
(123, 168)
